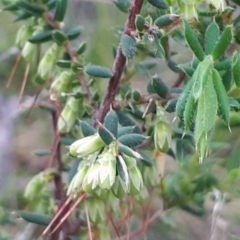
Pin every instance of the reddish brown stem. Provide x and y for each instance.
(119, 64)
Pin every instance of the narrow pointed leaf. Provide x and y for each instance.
(160, 87)
(41, 37)
(74, 32)
(61, 8)
(236, 69)
(105, 135)
(223, 43)
(193, 42)
(211, 37)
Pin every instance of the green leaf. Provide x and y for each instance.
(22, 16)
(236, 68)
(193, 41)
(187, 69)
(223, 65)
(74, 33)
(161, 4)
(132, 139)
(189, 111)
(31, 8)
(233, 103)
(11, 7)
(201, 76)
(234, 161)
(206, 111)
(125, 130)
(86, 128)
(173, 66)
(129, 152)
(160, 87)
(139, 23)
(227, 78)
(120, 7)
(81, 49)
(64, 63)
(73, 170)
(36, 218)
(59, 37)
(183, 98)
(105, 135)
(223, 43)
(42, 152)
(224, 108)
(165, 20)
(111, 123)
(97, 71)
(171, 105)
(61, 9)
(211, 37)
(41, 37)
(128, 44)
(122, 170)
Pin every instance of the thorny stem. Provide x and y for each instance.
(119, 64)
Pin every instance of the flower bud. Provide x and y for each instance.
(86, 146)
(150, 176)
(47, 63)
(35, 186)
(218, 4)
(76, 183)
(142, 195)
(130, 162)
(91, 180)
(61, 84)
(23, 35)
(162, 136)
(188, 11)
(136, 181)
(107, 170)
(119, 188)
(29, 51)
(69, 114)
(96, 210)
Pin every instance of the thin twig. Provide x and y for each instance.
(119, 65)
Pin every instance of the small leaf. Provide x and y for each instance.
(193, 41)
(201, 76)
(81, 49)
(223, 43)
(120, 7)
(74, 33)
(223, 103)
(159, 87)
(173, 66)
(183, 98)
(31, 8)
(223, 65)
(97, 71)
(211, 37)
(187, 69)
(234, 103)
(111, 123)
(61, 9)
(22, 16)
(64, 63)
(129, 152)
(59, 37)
(132, 139)
(165, 20)
(105, 135)
(236, 68)
(86, 128)
(11, 7)
(161, 4)
(227, 78)
(42, 152)
(206, 111)
(125, 130)
(171, 105)
(128, 46)
(36, 218)
(139, 23)
(189, 111)
(41, 37)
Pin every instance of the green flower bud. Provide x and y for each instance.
(142, 195)
(130, 162)
(218, 4)
(150, 176)
(86, 146)
(69, 115)
(96, 210)
(76, 183)
(91, 180)
(136, 181)
(162, 136)
(29, 51)
(61, 84)
(188, 11)
(22, 36)
(107, 170)
(35, 186)
(47, 64)
(119, 188)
